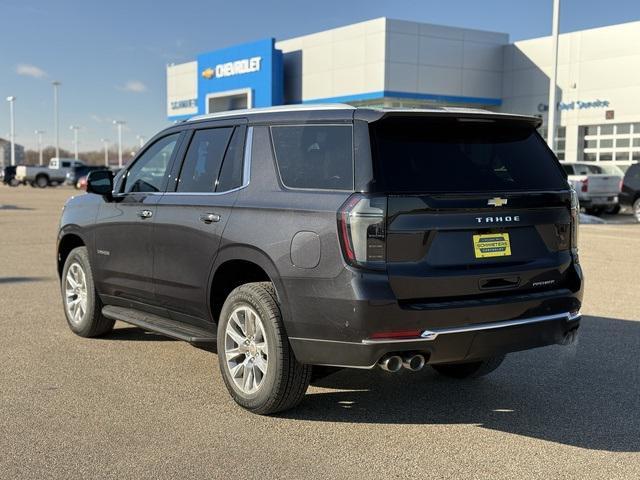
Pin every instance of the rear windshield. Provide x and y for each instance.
(451, 155)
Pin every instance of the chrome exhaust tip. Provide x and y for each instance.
(390, 363)
(413, 362)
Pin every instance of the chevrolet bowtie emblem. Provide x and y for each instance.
(209, 73)
(497, 202)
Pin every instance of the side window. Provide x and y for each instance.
(66, 164)
(231, 172)
(202, 163)
(568, 169)
(314, 156)
(149, 171)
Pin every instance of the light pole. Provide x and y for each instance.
(75, 129)
(553, 78)
(105, 142)
(56, 116)
(119, 124)
(12, 133)
(39, 135)
(141, 140)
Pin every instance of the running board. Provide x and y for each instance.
(165, 326)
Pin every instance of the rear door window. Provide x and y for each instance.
(203, 161)
(314, 156)
(452, 155)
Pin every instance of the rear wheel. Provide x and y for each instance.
(82, 305)
(42, 181)
(636, 209)
(470, 369)
(257, 364)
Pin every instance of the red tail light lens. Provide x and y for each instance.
(585, 185)
(362, 230)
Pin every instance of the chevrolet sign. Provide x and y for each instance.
(229, 69)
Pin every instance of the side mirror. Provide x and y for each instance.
(100, 182)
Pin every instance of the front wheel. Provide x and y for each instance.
(636, 209)
(82, 305)
(469, 369)
(258, 366)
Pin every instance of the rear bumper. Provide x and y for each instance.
(333, 321)
(603, 200)
(447, 345)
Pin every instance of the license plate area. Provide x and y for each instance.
(488, 245)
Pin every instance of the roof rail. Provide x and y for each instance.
(278, 108)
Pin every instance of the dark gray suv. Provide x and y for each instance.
(297, 240)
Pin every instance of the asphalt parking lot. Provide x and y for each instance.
(137, 405)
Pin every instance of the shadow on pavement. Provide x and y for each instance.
(135, 334)
(13, 207)
(22, 279)
(585, 395)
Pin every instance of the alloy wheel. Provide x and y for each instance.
(245, 349)
(76, 293)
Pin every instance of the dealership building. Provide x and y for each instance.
(397, 63)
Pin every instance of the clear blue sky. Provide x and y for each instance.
(111, 55)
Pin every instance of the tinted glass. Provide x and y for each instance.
(149, 171)
(568, 169)
(231, 172)
(449, 155)
(202, 163)
(314, 156)
(623, 128)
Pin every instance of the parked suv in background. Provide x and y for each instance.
(304, 237)
(630, 194)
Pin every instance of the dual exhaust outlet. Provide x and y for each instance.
(410, 361)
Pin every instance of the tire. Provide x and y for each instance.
(469, 370)
(42, 181)
(613, 210)
(13, 182)
(90, 322)
(636, 209)
(266, 376)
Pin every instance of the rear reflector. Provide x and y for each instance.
(397, 334)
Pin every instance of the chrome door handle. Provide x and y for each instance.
(145, 214)
(210, 218)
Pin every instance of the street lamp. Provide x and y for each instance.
(12, 133)
(56, 116)
(105, 142)
(141, 140)
(553, 78)
(119, 124)
(39, 135)
(75, 129)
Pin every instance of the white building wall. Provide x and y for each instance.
(393, 55)
(595, 64)
(335, 63)
(438, 60)
(182, 89)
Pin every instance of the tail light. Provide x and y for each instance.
(620, 185)
(362, 230)
(575, 222)
(585, 185)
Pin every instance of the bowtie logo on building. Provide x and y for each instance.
(209, 73)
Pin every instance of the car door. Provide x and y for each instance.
(124, 254)
(190, 220)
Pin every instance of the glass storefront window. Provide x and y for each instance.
(622, 142)
(590, 144)
(623, 128)
(606, 157)
(589, 157)
(606, 143)
(606, 129)
(591, 130)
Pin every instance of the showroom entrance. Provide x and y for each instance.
(230, 100)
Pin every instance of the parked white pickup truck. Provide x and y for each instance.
(42, 177)
(598, 186)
